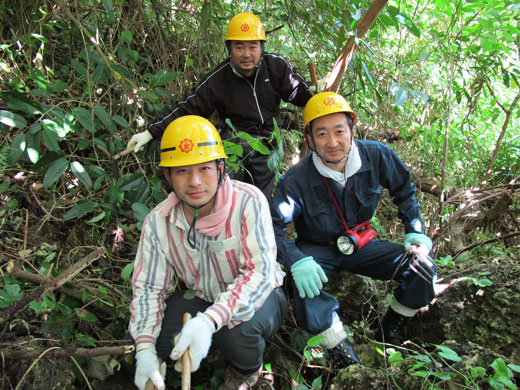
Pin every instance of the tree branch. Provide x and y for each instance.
(8, 353)
(338, 70)
(476, 244)
(51, 284)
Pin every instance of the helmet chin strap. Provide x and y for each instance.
(345, 157)
(191, 231)
(334, 162)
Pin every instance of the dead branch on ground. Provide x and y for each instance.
(51, 285)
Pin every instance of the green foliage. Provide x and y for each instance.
(9, 293)
(76, 86)
(444, 366)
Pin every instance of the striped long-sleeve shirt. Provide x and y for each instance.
(236, 269)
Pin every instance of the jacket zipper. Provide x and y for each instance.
(253, 87)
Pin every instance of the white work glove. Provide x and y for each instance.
(139, 139)
(314, 89)
(147, 367)
(421, 241)
(196, 338)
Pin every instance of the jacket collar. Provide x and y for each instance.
(315, 177)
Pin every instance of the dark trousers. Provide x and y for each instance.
(242, 345)
(256, 172)
(377, 259)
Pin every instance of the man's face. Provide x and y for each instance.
(331, 136)
(195, 185)
(245, 55)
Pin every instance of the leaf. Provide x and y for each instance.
(105, 118)
(273, 162)
(54, 126)
(121, 71)
(367, 72)
(120, 121)
(414, 30)
(126, 37)
(85, 315)
(163, 93)
(24, 103)
(80, 68)
(477, 371)
(448, 353)
(37, 306)
(10, 119)
(317, 383)
(38, 92)
(131, 181)
(500, 368)
(514, 367)
(80, 210)
(307, 355)
(84, 118)
(99, 74)
(299, 339)
(81, 173)
(56, 169)
(483, 282)
(396, 358)
(140, 211)
(126, 273)
(35, 128)
(163, 78)
(57, 86)
(97, 218)
(189, 294)
(401, 96)
(315, 341)
(420, 95)
(255, 143)
(17, 149)
(51, 139)
(109, 6)
(33, 147)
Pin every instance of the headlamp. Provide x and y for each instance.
(353, 240)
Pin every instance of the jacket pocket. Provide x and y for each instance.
(368, 200)
(224, 257)
(322, 223)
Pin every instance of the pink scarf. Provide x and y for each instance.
(211, 224)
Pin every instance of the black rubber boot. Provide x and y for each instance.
(343, 355)
(394, 328)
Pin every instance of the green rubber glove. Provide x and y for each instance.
(308, 277)
(417, 239)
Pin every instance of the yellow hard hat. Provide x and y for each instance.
(325, 103)
(245, 27)
(190, 140)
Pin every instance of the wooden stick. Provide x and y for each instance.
(186, 362)
(124, 152)
(186, 365)
(312, 71)
(149, 384)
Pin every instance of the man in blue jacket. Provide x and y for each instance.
(247, 88)
(330, 196)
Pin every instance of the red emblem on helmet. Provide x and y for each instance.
(329, 101)
(186, 145)
(244, 27)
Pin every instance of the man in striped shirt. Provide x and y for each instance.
(214, 235)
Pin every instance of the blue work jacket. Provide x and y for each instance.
(301, 197)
